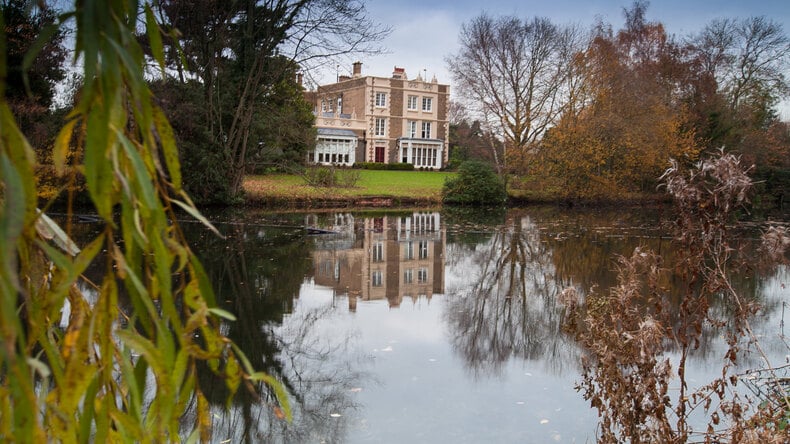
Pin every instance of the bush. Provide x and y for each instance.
(329, 176)
(384, 166)
(475, 184)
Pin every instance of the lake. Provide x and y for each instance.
(428, 326)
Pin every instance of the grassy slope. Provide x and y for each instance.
(408, 185)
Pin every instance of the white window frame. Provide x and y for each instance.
(411, 128)
(378, 252)
(381, 100)
(408, 276)
(380, 126)
(422, 275)
(427, 104)
(408, 250)
(376, 278)
(423, 247)
(411, 103)
(426, 130)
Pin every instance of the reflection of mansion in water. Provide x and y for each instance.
(375, 258)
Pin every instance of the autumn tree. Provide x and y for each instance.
(635, 122)
(512, 75)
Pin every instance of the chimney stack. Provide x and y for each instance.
(299, 78)
(357, 69)
(399, 73)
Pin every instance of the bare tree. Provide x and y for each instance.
(748, 58)
(329, 32)
(513, 75)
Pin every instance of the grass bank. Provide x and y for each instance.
(374, 188)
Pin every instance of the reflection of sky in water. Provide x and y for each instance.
(422, 392)
(421, 386)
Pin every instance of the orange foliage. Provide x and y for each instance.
(634, 123)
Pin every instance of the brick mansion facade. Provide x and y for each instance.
(381, 119)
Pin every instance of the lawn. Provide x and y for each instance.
(407, 185)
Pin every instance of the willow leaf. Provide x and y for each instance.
(154, 37)
(61, 148)
(169, 148)
(196, 214)
(279, 391)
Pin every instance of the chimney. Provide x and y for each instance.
(299, 78)
(357, 69)
(399, 73)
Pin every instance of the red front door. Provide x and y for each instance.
(380, 154)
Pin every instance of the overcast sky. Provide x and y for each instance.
(424, 32)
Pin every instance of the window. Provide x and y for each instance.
(427, 104)
(405, 158)
(381, 99)
(339, 104)
(408, 276)
(378, 252)
(411, 129)
(422, 275)
(380, 126)
(376, 278)
(423, 249)
(411, 103)
(408, 250)
(426, 130)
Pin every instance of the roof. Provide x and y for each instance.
(336, 132)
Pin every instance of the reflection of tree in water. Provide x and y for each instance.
(506, 306)
(257, 273)
(509, 309)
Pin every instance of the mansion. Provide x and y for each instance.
(381, 119)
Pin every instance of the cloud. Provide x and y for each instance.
(418, 41)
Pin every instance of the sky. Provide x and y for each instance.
(424, 32)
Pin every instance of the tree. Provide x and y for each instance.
(742, 64)
(513, 75)
(82, 377)
(635, 121)
(236, 53)
(30, 84)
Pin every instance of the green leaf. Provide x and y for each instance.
(154, 37)
(169, 148)
(141, 175)
(98, 169)
(61, 149)
(233, 376)
(88, 411)
(146, 348)
(50, 230)
(279, 391)
(243, 358)
(21, 156)
(12, 217)
(203, 282)
(222, 313)
(196, 214)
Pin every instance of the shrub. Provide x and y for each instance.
(475, 184)
(329, 176)
(384, 166)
